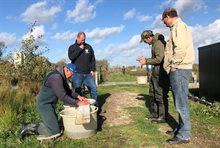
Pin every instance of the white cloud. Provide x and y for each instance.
(83, 11)
(125, 49)
(40, 13)
(134, 14)
(37, 31)
(166, 2)
(204, 35)
(143, 18)
(158, 23)
(99, 34)
(184, 6)
(64, 36)
(130, 14)
(8, 39)
(125, 53)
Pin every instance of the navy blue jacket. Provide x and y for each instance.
(84, 59)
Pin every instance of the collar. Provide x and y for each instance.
(175, 22)
(155, 38)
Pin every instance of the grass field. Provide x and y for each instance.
(138, 133)
(119, 77)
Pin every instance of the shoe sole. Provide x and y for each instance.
(181, 142)
(41, 137)
(150, 118)
(160, 122)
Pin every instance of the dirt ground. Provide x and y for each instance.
(115, 105)
(116, 114)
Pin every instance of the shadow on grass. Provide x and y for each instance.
(169, 118)
(101, 118)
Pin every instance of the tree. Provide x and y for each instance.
(34, 67)
(2, 47)
(61, 63)
(102, 67)
(102, 63)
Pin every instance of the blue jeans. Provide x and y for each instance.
(179, 81)
(88, 80)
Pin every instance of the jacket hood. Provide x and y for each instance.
(157, 36)
(60, 70)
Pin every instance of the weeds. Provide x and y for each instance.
(210, 111)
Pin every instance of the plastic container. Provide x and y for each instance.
(91, 102)
(77, 131)
(142, 79)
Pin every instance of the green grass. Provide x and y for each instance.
(142, 89)
(139, 133)
(119, 77)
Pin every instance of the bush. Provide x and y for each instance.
(212, 111)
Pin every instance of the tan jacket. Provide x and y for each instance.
(179, 52)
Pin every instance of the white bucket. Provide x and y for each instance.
(77, 131)
(91, 102)
(142, 79)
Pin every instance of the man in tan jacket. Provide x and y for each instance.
(178, 61)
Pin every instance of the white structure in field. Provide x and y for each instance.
(18, 58)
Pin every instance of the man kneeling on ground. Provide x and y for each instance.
(54, 87)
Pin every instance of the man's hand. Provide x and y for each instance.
(81, 46)
(172, 69)
(141, 60)
(81, 98)
(81, 103)
(92, 73)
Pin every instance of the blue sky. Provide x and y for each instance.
(113, 27)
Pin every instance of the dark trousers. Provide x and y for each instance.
(158, 91)
(50, 125)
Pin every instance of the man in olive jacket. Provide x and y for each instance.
(159, 83)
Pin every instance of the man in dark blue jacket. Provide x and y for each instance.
(82, 55)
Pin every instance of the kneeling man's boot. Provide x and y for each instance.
(28, 129)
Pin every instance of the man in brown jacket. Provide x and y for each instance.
(159, 85)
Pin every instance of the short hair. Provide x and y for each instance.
(80, 33)
(171, 12)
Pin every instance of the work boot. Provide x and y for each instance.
(28, 129)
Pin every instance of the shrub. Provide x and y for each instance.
(212, 111)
